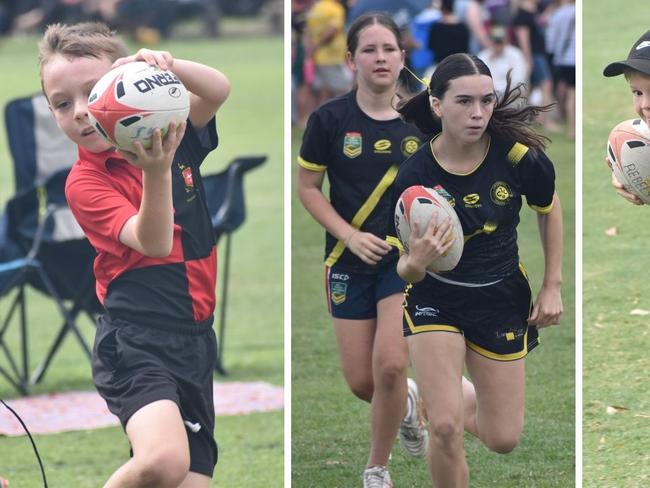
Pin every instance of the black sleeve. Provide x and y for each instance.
(316, 143)
(538, 180)
(201, 141)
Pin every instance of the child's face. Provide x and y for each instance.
(466, 107)
(378, 58)
(640, 86)
(67, 83)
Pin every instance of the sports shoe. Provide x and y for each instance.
(377, 477)
(412, 432)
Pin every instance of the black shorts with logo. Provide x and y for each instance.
(493, 318)
(135, 365)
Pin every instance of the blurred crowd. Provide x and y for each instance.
(148, 21)
(534, 40)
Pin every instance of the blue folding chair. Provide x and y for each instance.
(18, 269)
(225, 199)
(39, 224)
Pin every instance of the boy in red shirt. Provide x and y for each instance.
(145, 214)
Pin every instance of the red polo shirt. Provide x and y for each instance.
(104, 191)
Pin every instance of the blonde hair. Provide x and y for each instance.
(84, 40)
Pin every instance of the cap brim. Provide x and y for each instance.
(615, 69)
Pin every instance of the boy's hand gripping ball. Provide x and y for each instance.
(420, 204)
(628, 155)
(129, 102)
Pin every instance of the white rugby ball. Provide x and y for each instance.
(420, 204)
(129, 102)
(628, 153)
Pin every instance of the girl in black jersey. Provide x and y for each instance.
(360, 141)
(483, 157)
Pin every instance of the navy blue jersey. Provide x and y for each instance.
(361, 156)
(487, 202)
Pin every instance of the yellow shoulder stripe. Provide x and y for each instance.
(311, 166)
(516, 153)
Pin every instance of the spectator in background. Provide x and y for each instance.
(561, 43)
(474, 15)
(326, 49)
(499, 11)
(530, 39)
(449, 35)
(302, 98)
(502, 58)
(421, 56)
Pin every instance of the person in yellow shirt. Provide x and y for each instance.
(326, 50)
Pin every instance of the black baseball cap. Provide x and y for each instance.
(638, 59)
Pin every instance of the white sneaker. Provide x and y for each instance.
(412, 432)
(377, 477)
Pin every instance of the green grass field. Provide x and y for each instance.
(251, 122)
(615, 359)
(330, 428)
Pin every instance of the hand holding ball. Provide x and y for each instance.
(133, 100)
(628, 154)
(417, 207)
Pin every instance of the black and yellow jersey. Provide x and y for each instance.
(487, 201)
(361, 156)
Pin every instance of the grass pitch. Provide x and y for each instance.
(615, 359)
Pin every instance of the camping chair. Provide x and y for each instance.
(42, 156)
(19, 269)
(225, 199)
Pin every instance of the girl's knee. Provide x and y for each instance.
(362, 388)
(390, 374)
(502, 443)
(446, 431)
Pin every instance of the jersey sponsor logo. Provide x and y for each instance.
(471, 200)
(500, 193)
(382, 146)
(338, 292)
(188, 181)
(426, 311)
(352, 144)
(409, 145)
(441, 191)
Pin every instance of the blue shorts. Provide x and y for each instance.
(541, 70)
(354, 296)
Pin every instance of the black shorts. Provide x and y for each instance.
(134, 365)
(354, 296)
(493, 318)
(566, 74)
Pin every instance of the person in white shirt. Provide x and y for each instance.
(503, 57)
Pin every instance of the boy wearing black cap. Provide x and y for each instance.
(636, 69)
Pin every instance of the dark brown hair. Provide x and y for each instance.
(511, 120)
(371, 18)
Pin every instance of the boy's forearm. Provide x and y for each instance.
(203, 81)
(154, 225)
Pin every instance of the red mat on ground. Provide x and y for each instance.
(60, 412)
